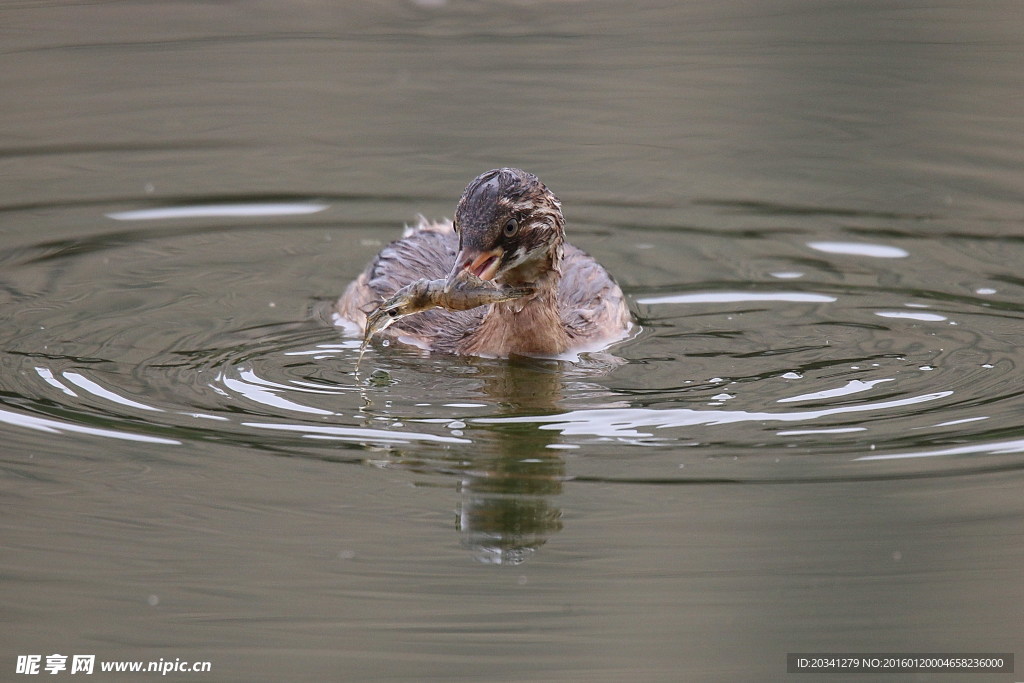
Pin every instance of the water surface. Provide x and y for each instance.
(813, 444)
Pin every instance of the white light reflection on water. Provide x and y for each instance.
(96, 390)
(220, 210)
(859, 249)
(47, 375)
(262, 391)
(331, 351)
(994, 448)
(808, 432)
(356, 433)
(852, 387)
(909, 315)
(951, 423)
(734, 297)
(55, 427)
(624, 422)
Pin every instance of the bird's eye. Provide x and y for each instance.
(511, 228)
(393, 312)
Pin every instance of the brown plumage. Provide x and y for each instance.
(508, 228)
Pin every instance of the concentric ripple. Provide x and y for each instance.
(833, 356)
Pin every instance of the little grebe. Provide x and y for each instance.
(509, 230)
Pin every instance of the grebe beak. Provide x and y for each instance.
(482, 264)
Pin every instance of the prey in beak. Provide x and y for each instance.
(480, 264)
(460, 292)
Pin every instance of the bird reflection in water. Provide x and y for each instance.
(511, 474)
(507, 508)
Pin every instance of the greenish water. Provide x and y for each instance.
(813, 444)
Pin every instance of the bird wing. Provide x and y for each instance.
(590, 304)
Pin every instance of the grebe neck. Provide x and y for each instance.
(528, 326)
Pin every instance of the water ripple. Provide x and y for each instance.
(261, 209)
(625, 422)
(860, 249)
(734, 297)
(200, 335)
(58, 426)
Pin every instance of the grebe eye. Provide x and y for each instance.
(393, 312)
(512, 227)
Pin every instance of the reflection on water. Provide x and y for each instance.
(623, 422)
(219, 210)
(508, 505)
(509, 479)
(855, 249)
(814, 210)
(507, 513)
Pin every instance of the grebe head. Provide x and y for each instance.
(510, 228)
